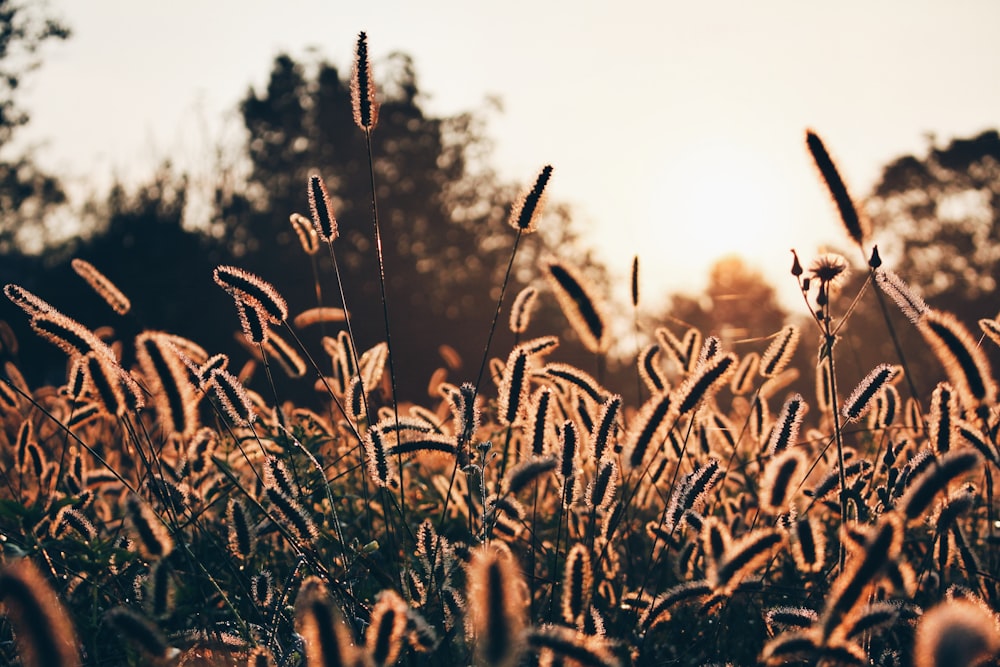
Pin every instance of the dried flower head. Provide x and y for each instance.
(830, 269)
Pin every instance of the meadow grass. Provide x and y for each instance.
(168, 513)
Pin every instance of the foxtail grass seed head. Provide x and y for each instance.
(241, 534)
(69, 335)
(324, 223)
(306, 233)
(779, 352)
(600, 494)
(808, 544)
(789, 617)
(497, 606)
(942, 419)
(290, 514)
(910, 303)
(539, 417)
(672, 346)
(880, 547)
(854, 224)
(691, 346)
(863, 396)
(715, 540)
(389, 621)
(106, 382)
(705, 382)
(520, 311)
(785, 433)
(382, 471)
(743, 378)
(578, 304)
(649, 429)
(528, 471)
(709, 349)
(958, 631)
(605, 429)
(74, 520)
(885, 408)
(991, 328)
(168, 379)
(824, 388)
(936, 478)
(559, 645)
(691, 493)
(570, 378)
(964, 361)
(648, 364)
(569, 449)
(248, 288)
(659, 609)
(635, 281)
(319, 314)
(44, 631)
(363, 88)
(465, 412)
(782, 475)
(233, 397)
(578, 581)
(512, 400)
(153, 538)
(25, 300)
(529, 205)
(287, 355)
(745, 555)
(327, 638)
(253, 321)
(102, 286)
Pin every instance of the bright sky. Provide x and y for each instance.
(675, 128)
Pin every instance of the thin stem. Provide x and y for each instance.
(838, 435)
(385, 308)
(496, 315)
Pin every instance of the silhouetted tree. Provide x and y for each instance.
(26, 192)
(937, 217)
(164, 269)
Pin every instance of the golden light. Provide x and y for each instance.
(716, 199)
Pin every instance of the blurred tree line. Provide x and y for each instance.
(442, 209)
(443, 212)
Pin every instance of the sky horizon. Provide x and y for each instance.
(676, 132)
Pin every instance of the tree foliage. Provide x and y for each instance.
(940, 214)
(26, 191)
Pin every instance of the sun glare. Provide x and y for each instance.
(715, 200)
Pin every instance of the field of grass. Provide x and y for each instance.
(162, 512)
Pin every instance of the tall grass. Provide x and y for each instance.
(182, 511)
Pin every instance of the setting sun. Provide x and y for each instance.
(712, 199)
